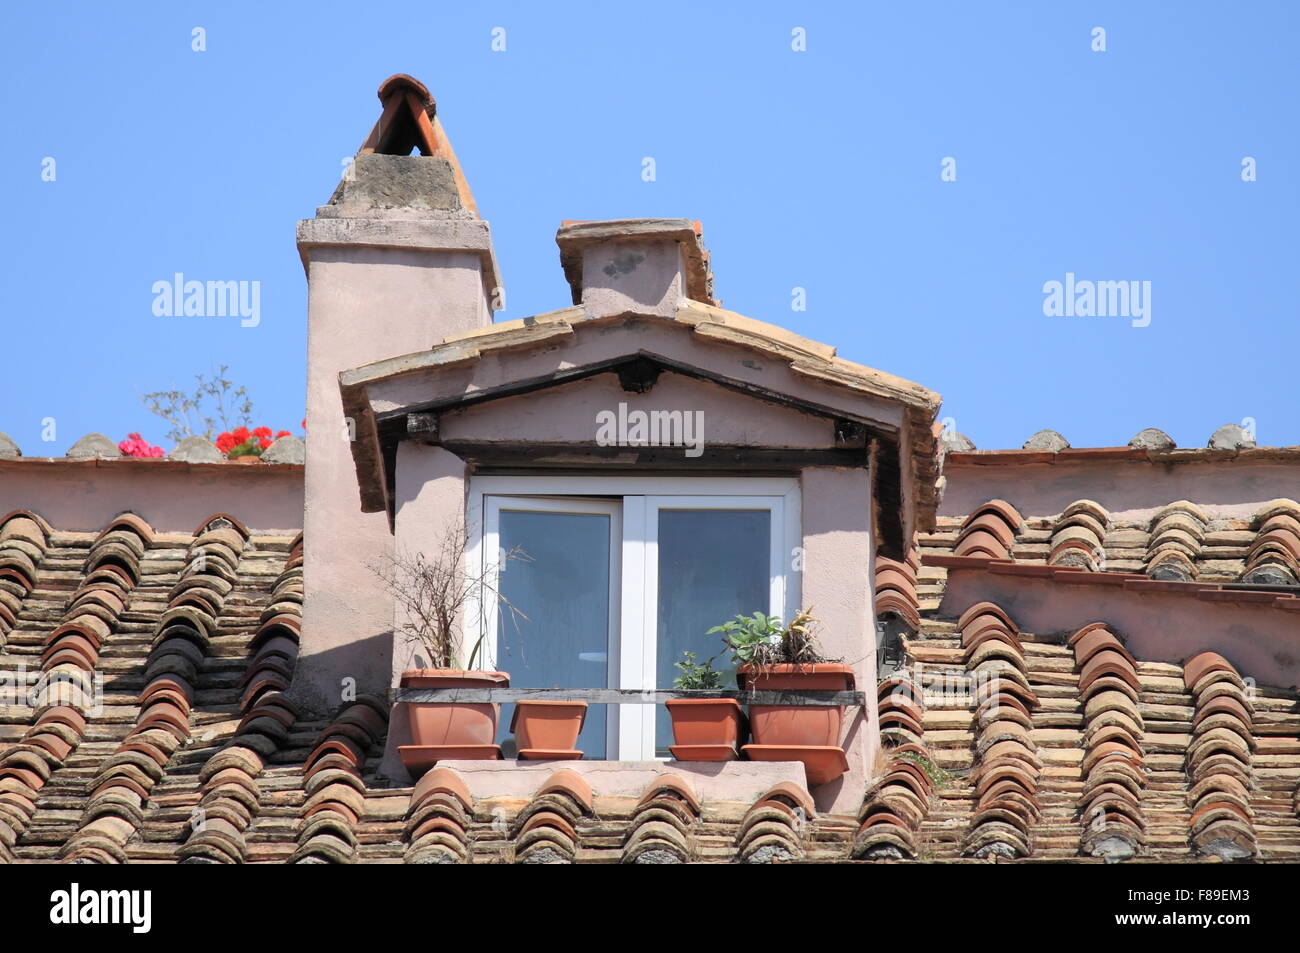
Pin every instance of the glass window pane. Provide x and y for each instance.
(713, 565)
(560, 583)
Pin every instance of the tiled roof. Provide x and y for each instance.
(166, 626)
(197, 756)
(1079, 749)
(1180, 542)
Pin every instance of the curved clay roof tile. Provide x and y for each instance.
(670, 784)
(207, 526)
(569, 782)
(795, 794)
(1094, 637)
(1223, 704)
(1279, 507)
(991, 522)
(1108, 661)
(1202, 663)
(1090, 508)
(129, 521)
(980, 542)
(980, 608)
(38, 521)
(1009, 514)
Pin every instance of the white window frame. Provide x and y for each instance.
(491, 542)
(635, 567)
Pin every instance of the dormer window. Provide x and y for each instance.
(615, 577)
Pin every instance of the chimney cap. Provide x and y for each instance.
(574, 236)
(401, 82)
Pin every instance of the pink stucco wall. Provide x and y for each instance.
(568, 414)
(364, 304)
(1262, 641)
(172, 497)
(430, 502)
(837, 585)
(1129, 489)
(646, 276)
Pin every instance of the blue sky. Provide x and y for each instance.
(817, 169)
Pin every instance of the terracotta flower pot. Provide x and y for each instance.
(548, 725)
(706, 721)
(706, 729)
(453, 724)
(801, 725)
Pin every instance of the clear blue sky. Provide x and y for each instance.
(816, 169)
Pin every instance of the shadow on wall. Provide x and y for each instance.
(324, 681)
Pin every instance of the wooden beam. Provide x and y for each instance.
(887, 490)
(625, 696)
(788, 460)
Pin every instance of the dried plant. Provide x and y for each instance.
(799, 643)
(435, 591)
(216, 404)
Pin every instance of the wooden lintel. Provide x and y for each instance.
(660, 458)
(887, 492)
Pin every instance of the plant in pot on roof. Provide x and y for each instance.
(705, 729)
(433, 592)
(771, 657)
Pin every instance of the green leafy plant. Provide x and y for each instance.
(761, 639)
(696, 675)
(749, 637)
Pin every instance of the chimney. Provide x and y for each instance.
(646, 265)
(398, 260)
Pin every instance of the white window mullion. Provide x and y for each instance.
(650, 637)
(634, 626)
(777, 561)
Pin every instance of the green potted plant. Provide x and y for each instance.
(772, 657)
(705, 729)
(434, 593)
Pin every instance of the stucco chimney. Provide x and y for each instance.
(646, 265)
(397, 260)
